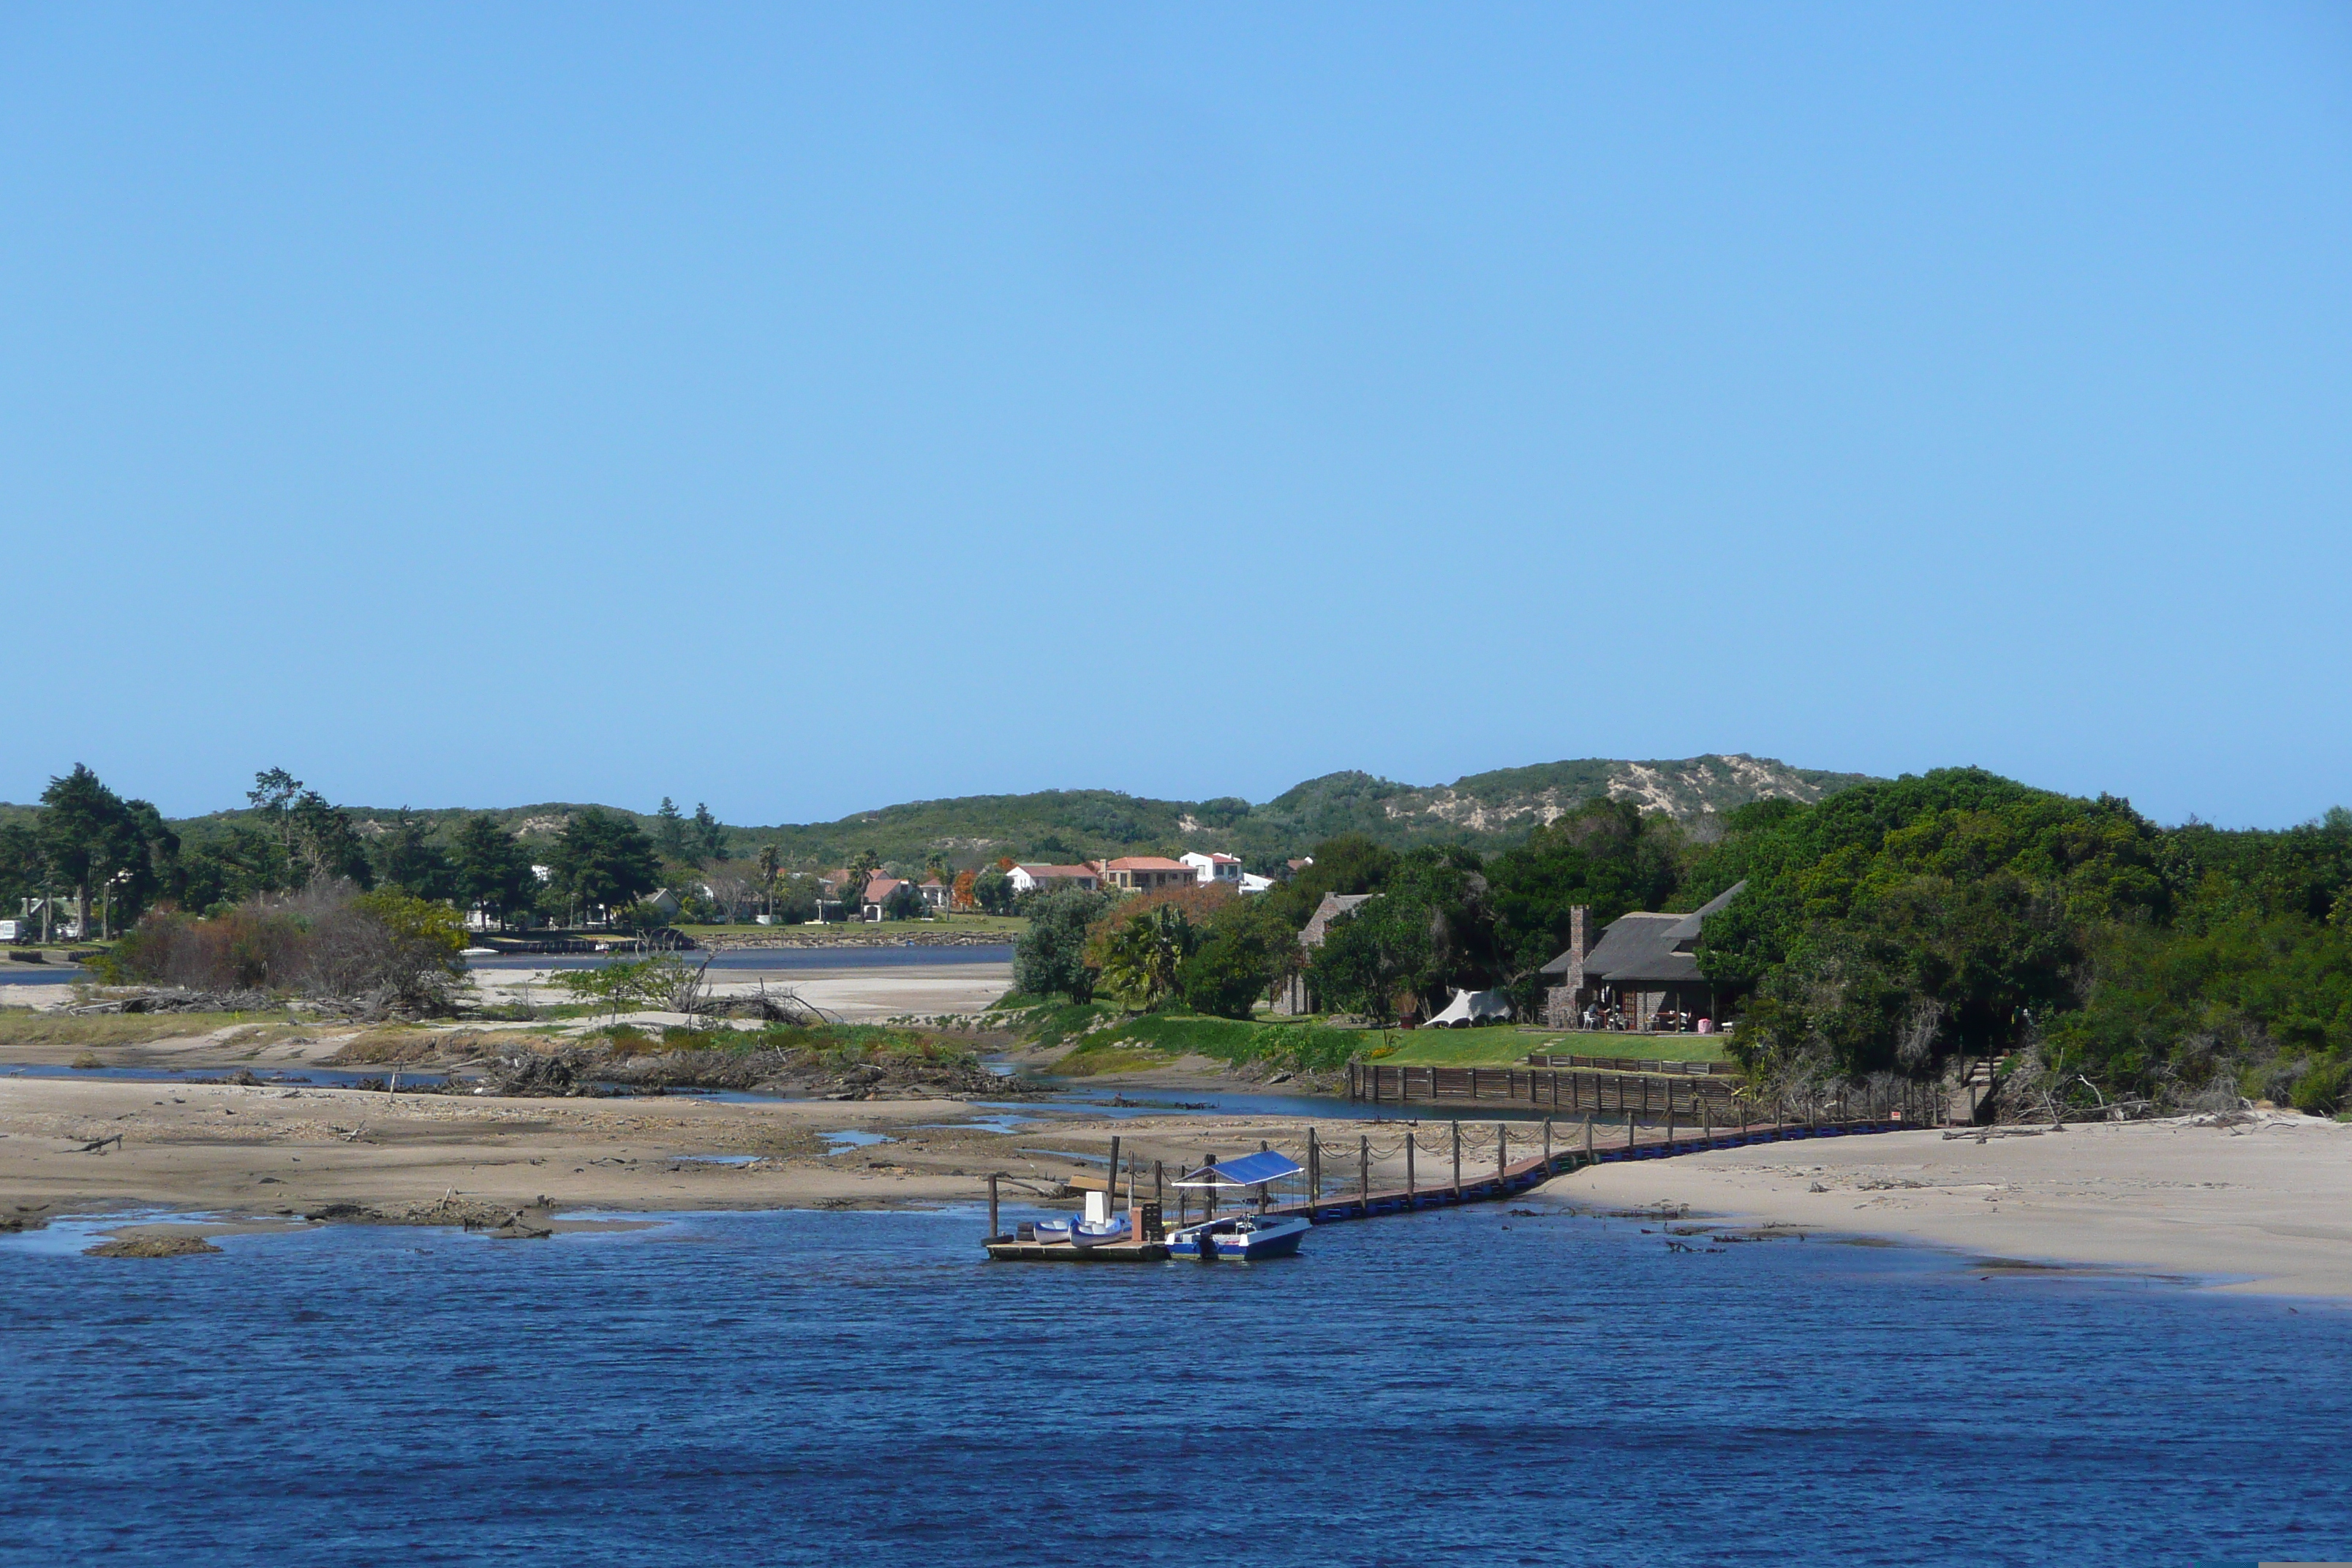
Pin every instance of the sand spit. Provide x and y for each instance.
(2260, 1206)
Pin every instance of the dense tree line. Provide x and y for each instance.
(1889, 928)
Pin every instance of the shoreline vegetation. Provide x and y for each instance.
(2058, 960)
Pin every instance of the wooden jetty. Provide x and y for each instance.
(1694, 1092)
(1547, 1155)
(1593, 1146)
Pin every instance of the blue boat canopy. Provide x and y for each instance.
(1244, 1171)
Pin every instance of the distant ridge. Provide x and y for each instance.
(1484, 810)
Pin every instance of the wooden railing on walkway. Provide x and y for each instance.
(1590, 1145)
(1637, 1063)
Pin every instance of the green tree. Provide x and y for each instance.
(491, 868)
(1243, 949)
(1049, 959)
(1430, 929)
(669, 832)
(87, 835)
(603, 859)
(409, 858)
(1350, 863)
(709, 839)
(1139, 958)
(771, 861)
(992, 892)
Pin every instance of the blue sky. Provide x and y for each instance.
(807, 409)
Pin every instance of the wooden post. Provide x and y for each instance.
(1705, 1120)
(1110, 1185)
(1457, 1161)
(1502, 1155)
(993, 1231)
(1629, 1135)
(1588, 1140)
(1262, 1197)
(1208, 1193)
(1411, 1186)
(1474, 1083)
(1376, 1085)
(1670, 1119)
(1160, 1185)
(1131, 1183)
(1364, 1170)
(1547, 1164)
(1314, 1169)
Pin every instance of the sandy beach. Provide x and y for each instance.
(2264, 1205)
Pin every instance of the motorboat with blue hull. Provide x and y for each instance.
(1241, 1235)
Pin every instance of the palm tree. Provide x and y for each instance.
(769, 863)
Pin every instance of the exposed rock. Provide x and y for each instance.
(151, 1246)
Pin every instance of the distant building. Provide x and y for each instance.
(877, 893)
(1225, 869)
(1643, 965)
(1145, 873)
(935, 894)
(1030, 878)
(1292, 996)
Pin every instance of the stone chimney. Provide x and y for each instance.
(1580, 943)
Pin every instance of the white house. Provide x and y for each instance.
(1225, 869)
(1029, 879)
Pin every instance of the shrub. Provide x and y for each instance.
(2320, 1090)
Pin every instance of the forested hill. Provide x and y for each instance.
(1484, 811)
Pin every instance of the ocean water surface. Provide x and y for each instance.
(1482, 1385)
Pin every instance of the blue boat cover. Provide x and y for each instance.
(1244, 1171)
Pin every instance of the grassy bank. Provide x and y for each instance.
(27, 1026)
(1104, 1039)
(1506, 1046)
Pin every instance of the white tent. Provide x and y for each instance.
(1470, 1008)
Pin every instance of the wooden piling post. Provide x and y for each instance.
(1502, 1155)
(1159, 1185)
(1457, 1161)
(993, 1232)
(1670, 1121)
(1410, 1201)
(1364, 1170)
(1588, 1140)
(1547, 1164)
(1314, 1169)
(1111, 1182)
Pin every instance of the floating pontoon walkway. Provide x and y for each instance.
(1514, 1177)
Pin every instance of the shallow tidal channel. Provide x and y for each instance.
(1515, 1384)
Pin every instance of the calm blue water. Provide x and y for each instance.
(863, 1388)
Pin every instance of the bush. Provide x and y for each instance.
(2320, 1092)
(1049, 959)
(388, 947)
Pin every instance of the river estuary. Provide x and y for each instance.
(1477, 1385)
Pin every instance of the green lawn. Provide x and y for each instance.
(1506, 1046)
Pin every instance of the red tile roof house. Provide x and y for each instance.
(877, 893)
(1142, 873)
(936, 893)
